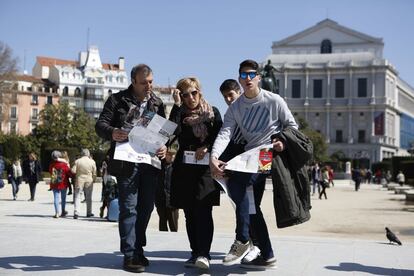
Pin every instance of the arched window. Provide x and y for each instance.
(109, 92)
(65, 91)
(77, 92)
(326, 47)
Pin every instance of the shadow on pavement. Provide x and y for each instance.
(376, 270)
(168, 265)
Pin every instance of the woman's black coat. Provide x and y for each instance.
(192, 184)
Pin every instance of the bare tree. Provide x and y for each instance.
(8, 65)
(8, 70)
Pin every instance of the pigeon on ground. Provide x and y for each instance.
(391, 236)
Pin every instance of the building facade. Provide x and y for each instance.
(337, 79)
(84, 83)
(21, 103)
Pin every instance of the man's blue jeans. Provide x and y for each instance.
(136, 202)
(237, 185)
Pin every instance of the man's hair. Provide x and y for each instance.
(140, 68)
(85, 152)
(249, 63)
(230, 84)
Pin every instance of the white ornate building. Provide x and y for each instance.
(337, 79)
(85, 83)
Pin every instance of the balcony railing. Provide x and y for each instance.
(93, 109)
(94, 97)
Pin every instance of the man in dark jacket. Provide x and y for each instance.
(137, 182)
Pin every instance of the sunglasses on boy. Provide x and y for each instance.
(186, 95)
(251, 75)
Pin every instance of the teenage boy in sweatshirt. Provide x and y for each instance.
(258, 114)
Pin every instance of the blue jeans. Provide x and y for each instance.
(59, 195)
(136, 202)
(237, 185)
(15, 182)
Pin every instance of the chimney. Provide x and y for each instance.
(121, 63)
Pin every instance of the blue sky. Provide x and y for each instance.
(207, 39)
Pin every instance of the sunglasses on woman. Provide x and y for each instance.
(252, 75)
(186, 95)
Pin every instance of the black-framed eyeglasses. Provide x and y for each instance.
(251, 75)
(186, 95)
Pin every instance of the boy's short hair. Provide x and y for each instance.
(250, 64)
(230, 84)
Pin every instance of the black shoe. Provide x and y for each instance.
(131, 266)
(64, 213)
(260, 263)
(75, 216)
(141, 260)
(89, 215)
(190, 262)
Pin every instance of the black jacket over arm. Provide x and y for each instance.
(291, 187)
(113, 116)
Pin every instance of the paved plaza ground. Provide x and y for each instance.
(345, 236)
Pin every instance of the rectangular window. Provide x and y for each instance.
(338, 136)
(295, 88)
(13, 128)
(35, 99)
(361, 136)
(49, 100)
(35, 113)
(339, 88)
(13, 112)
(362, 88)
(317, 88)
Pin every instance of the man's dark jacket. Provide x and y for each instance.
(291, 187)
(113, 116)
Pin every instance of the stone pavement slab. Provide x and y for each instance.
(33, 243)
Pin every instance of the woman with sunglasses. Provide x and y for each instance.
(192, 188)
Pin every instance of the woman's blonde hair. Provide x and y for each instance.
(185, 83)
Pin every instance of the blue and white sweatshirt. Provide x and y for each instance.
(258, 119)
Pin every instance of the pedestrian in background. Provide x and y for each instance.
(59, 182)
(168, 215)
(316, 178)
(324, 182)
(331, 176)
(85, 172)
(32, 173)
(2, 167)
(15, 174)
(400, 178)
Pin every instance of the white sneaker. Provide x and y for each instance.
(253, 253)
(202, 262)
(237, 251)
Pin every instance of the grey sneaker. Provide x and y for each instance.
(202, 263)
(260, 263)
(253, 253)
(237, 251)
